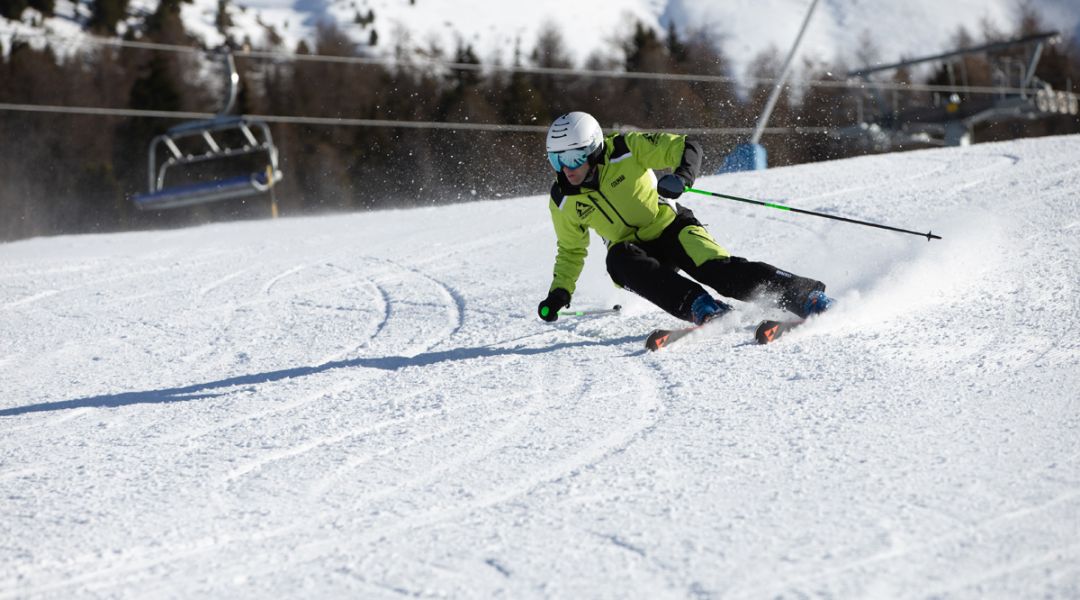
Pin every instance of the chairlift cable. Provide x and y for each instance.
(348, 122)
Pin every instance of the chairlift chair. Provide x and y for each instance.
(952, 123)
(217, 141)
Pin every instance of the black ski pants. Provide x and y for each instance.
(651, 270)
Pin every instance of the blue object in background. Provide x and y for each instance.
(745, 157)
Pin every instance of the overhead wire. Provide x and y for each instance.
(351, 122)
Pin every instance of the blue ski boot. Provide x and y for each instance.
(705, 308)
(816, 303)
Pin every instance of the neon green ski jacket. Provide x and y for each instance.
(618, 199)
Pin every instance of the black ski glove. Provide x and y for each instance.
(671, 186)
(557, 299)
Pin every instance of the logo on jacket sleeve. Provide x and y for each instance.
(584, 210)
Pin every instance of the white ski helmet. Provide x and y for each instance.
(572, 138)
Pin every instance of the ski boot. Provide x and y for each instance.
(705, 308)
(816, 302)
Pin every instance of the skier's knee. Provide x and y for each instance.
(619, 258)
(699, 246)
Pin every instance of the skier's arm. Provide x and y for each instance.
(667, 151)
(572, 240)
(690, 165)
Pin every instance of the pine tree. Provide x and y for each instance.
(12, 9)
(550, 53)
(157, 89)
(223, 21)
(521, 101)
(678, 51)
(655, 102)
(105, 14)
(644, 51)
(45, 7)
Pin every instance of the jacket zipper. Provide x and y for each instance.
(597, 205)
(614, 210)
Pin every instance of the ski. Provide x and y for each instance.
(662, 338)
(766, 332)
(770, 331)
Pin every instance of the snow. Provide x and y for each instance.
(365, 405)
(487, 25)
(837, 34)
(840, 29)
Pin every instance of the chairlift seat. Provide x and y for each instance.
(222, 140)
(188, 145)
(214, 124)
(203, 192)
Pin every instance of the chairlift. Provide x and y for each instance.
(951, 122)
(210, 146)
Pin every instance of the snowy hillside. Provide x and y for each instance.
(742, 28)
(366, 406)
(496, 28)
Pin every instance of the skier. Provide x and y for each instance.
(607, 184)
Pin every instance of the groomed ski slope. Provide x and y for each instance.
(366, 406)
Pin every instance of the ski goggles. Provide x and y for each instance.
(571, 159)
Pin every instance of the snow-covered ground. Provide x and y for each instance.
(366, 406)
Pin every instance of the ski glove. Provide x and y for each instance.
(557, 299)
(671, 186)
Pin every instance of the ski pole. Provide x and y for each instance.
(589, 313)
(928, 235)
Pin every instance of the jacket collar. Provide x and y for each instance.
(592, 180)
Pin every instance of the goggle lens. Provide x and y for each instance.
(571, 159)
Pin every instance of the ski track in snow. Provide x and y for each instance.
(366, 405)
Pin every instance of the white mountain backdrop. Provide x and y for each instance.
(842, 32)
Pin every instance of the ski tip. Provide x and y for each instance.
(657, 340)
(766, 331)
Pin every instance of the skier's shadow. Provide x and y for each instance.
(210, 390)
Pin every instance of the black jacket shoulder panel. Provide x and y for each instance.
(557, 195)
(690, 167)
(619, 147)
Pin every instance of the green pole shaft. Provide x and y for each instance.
(586, 313)
(928, 235)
